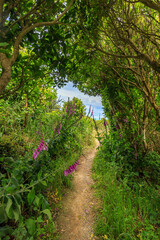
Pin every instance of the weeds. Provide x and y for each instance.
(129, 200)
(32, 167)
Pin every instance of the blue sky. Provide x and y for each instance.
(70, 91)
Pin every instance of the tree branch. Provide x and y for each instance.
(1, 10)
(151, 4)
(6, 71)
(30, 28)
(25, 16)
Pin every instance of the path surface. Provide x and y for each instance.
(76, 219)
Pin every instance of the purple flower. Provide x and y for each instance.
(70, 111)
(41, 235)
(45, 147)
(71, 169)
(120, 135)
(59, 129)
(41, 147)
(125, 120)
(74, 105)
(65, 173)
(37, 132)
(35, 154)
(117, 127)
(135, 155)
(105, 123)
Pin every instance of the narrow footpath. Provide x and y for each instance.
(76, 218)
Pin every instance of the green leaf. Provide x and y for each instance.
(11, 189)
(39, 175)
(39, 219)
(5, 231)
(15, 27)
(31, 196)
(48, 213)
(8, 208)
(14, 181)
(3, 44)
(45, 204)
(31, 226)
(37, 201)
(4, 51)
(3, 216)
(44, 183)
(16, 214)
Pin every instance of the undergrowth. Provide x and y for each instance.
(32, 163)
(129, 200)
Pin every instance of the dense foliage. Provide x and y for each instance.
(128, 193)
(108, 48)
(121, 65)
(33, 159)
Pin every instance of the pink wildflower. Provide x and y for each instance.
(59, 129)
(125, 120)
(74, 105)
(41, 147)
(70, 111)
(45, 147)
(67, 108)
(71, 169)
(65, 173)
(35, 154)
(105, 123)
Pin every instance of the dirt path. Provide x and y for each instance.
(76, 219)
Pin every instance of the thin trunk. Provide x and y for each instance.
(144, 124)
(6, 72)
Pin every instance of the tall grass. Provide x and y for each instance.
(128, 210)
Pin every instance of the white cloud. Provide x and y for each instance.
(70, 91)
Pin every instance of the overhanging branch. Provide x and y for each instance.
(30, 28)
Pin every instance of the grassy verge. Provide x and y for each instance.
(128, 210)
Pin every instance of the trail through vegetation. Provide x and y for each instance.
(105, 48)
(76, 219)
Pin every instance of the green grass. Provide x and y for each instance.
(128, 210)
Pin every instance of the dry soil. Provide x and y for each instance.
(76, 218)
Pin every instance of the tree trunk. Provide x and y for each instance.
(6, 72)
